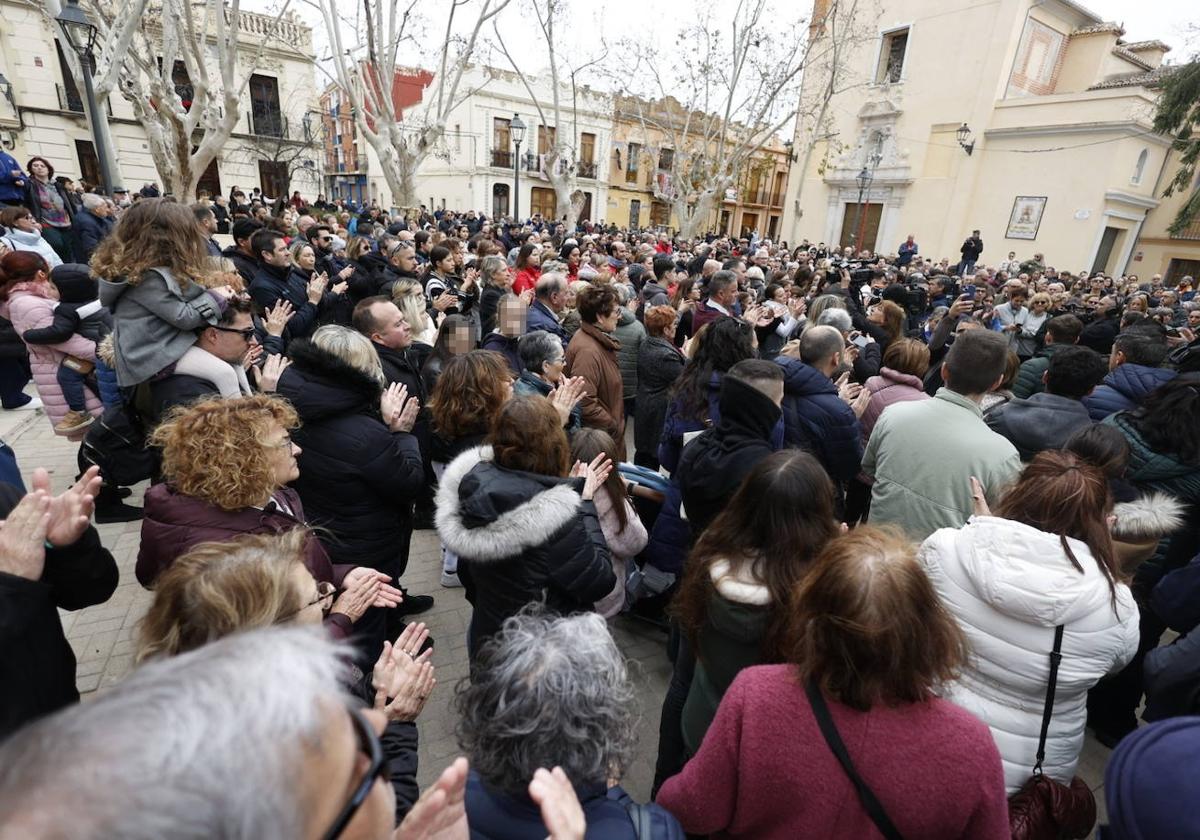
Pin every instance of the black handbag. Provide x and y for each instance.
(866, 796)
(1045, 809)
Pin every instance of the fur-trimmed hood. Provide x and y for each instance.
(1149, 517)
(487, 513)
(321, 385)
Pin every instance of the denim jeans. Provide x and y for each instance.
(72, 384)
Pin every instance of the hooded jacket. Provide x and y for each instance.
(358, 479)
(520, 537)
(739, 613)
(78, 311)
(817, 420)
(1125, 389)
(1044, 421)
(90, 230)
(713, 465)
(1009, 585)
(1151, 470)
(246, 265)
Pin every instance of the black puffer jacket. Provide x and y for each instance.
(520, 537)
(357, 479)
(659, 365)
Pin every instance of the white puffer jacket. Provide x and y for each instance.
(1009, 585)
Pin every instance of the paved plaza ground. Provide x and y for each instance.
(102, 636)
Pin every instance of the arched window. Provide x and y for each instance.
(1140, 169)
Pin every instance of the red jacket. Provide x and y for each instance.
(526, 279)
(174, 523)
(765, 772)
(705, 314)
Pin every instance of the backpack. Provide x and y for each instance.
(116, 443)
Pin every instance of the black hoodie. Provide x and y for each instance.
(713, 465)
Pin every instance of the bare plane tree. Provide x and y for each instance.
(184, 66)
(367, 76)
(560, 161)
(716, 102)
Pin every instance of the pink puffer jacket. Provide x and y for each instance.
(29, 307)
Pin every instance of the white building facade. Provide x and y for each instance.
(42, 111)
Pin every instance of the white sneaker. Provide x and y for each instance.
(29, 406)
(450, 580)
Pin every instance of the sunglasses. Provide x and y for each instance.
(247, 334)
(369, 745)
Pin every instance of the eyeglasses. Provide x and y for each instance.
(247, 334)
(368, 743)
(286, 443)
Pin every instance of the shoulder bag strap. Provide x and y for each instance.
(1048, 709)
(865, 795)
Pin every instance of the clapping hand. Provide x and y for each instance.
(277, 317)
(71, 511)
(441, 812)
(23, 536)
(389, 596)
(358, 595)
(340, 288)
(567, 395)
(399, 412)
(403, 679)
(526, 297)
(267, 377)
(561, 812)
(444, 301)
(316, 287)
(253, 354)
(593, 474)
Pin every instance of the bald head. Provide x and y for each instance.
(821, 348)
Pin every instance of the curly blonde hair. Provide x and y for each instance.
(221, 588)
(213, 449)
(469, 394)
(155, 232)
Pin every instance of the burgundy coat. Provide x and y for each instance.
(174, 523)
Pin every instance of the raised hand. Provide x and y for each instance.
(594, 474)
(391, 403)
(402, 683)
(408, 416)
(567, 395)
(979, 498)
(561, 812)
(526, 297)
(268, 375)
(444, 301)
(71, 511)
(441, 812)
(316, 287)
(253, 354)
(277, 317)
(23, 536)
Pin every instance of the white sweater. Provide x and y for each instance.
(1009, 585)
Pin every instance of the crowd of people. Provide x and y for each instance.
(912, 527)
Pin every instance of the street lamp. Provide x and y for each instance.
(81, 36)
(517, 128)
(964, 138)
(863, 179)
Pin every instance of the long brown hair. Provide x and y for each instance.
(868, 625)
(778, 520)
(586, 444)
(19, 267)
(152, 233)
(1061, 493)
(528, 436)
(469, 394)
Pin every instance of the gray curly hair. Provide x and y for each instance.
(548, 691)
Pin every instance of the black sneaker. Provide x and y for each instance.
(414, 604)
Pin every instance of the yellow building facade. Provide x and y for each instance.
(1038, 135)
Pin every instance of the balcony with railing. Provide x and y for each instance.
(502, 158)
(586, 169)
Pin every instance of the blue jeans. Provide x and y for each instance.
(72, 383)
(966, 267)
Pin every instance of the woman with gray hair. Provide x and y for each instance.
(497, 282)
(552, 692)
(542, 362)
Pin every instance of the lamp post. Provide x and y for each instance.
(81, 36)
(517, 127)
(864, 179)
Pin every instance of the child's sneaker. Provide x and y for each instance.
(73, 421)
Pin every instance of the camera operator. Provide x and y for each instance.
(962, 316)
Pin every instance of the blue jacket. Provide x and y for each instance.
(495, 815)
(1125, 389)
(89, 230)
(12, 188)
(541, 317)
(817, 420)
